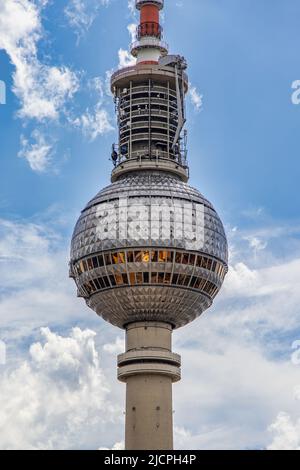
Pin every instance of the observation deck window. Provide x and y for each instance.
(149, 257)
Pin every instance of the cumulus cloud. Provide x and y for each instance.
(95, 120)
(238, 372)
(117, 347)
(196, 98)
(38, 152)
(271, 281)
(46, 92)
(24, 247)
(82, 13)
(116, 446)
(58, 398)
(286, 433)
(131, 7)
(108, 75)
(297, 392)
(131, 28)
(256, 244)
(42, 89)
(94, 123)
(125, 57)
(35, 287)
(231, 391)
(261, 289)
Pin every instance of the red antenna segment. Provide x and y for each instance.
(149, 47)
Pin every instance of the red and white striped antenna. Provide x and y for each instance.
(149, 46)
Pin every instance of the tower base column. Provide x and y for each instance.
(149, 368)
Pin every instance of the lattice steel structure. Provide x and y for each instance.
(149, 253)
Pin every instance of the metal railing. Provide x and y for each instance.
(133, 68)
(147, 41)
(140, 3)
(149, 29)
(145, 89)
(156, 155)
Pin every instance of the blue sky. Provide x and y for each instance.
(56, 132)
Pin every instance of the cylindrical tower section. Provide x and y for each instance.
(150, 109)
(150, 14)
(149, 368)
(149, 46)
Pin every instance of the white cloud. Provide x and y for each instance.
(232, 387)
(132, 31)
(297, 392)
(236, 363)
(256, 244)
(116, 446)
(254, 212)
(287, 433)
(35, 287)
(131, 7)
(38, 153)
(117, 347)
(216, 437)
(196, 98)
(125, 58)
(58, 398)
(82, 13)
(96, 84)
(94, 123)
(237, 369)
(45, 91)
(95, 120)
(24, 247)
(42, 90)
(270, 283)
(2, 353)
(108, 75)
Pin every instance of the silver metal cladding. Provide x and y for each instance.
(150, 247)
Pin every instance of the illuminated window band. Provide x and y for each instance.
(154, 275)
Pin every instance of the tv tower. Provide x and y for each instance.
(149, 252)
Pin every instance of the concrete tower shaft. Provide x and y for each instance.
(149, 368)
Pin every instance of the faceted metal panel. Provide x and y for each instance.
(148, 210)
(134, 211)
(154, 303)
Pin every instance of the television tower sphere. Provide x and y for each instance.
(149, 248)
(149, 252)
